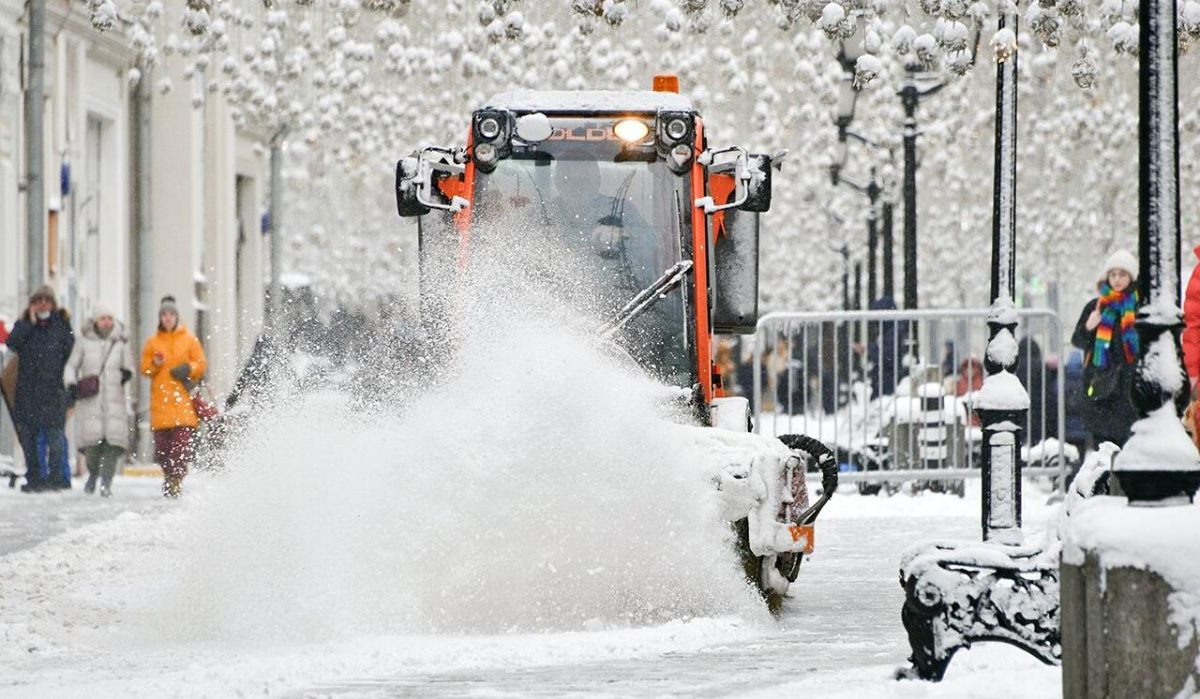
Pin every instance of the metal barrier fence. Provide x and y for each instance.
(891, 391)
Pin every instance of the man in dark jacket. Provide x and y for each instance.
(886, 347)
(42, 339)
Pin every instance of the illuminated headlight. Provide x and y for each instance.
(680, 157)
(676, 129)
(489, 128)
(485, 154)
(631, 130)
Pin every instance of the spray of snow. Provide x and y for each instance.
(542, 484)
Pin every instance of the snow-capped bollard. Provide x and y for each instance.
(1002, 405)
(1159, 464)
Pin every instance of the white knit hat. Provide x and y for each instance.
(101, 309)
(1121, 259)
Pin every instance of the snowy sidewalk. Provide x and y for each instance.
(29, 519)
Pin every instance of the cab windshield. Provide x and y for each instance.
(605, 217)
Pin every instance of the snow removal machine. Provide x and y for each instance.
(663, 231)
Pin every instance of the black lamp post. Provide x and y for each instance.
(889, 264)
(844, 251)
(911, 95)
(916, 88)
(1159, 463)
(1003, 404)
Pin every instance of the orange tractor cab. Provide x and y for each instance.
(668, 229)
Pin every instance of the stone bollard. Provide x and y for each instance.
(1130, 586)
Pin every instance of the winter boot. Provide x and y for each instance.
(90, 486)
(172, 486)
(105, 491)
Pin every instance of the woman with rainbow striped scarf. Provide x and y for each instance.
(1110, 344)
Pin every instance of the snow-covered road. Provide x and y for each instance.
(64, 631)
(839, 636)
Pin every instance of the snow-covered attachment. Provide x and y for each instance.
(763, 492)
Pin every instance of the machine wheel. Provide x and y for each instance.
(788, 565)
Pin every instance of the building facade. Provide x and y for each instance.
(204, 192)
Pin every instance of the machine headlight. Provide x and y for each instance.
(489, 128)
(631, 130)
(676, 129)
(485, 154)
(681, 157)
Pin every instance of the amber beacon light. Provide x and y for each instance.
(666, 83)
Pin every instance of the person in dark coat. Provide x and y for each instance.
(1040, 381)
(887, 344)
(1106, 335)
(1075, 430)
(43, 340)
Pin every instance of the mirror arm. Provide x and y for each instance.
(450, 163)
(741, 173)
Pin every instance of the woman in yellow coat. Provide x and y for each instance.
(173, 359)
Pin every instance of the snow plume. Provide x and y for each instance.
(540, 484)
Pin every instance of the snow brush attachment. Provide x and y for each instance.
(825, 461)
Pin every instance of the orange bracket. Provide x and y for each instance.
(451, 187)
(721, 187)
(804, 530)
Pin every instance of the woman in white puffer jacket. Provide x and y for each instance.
(102, 419)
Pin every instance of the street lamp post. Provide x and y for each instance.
(847, 100)
(910, 96)
(889, 264)
(872, 251)
(1159, 463)
(844, 251)
(1003, 402)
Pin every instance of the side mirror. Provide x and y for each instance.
(758, 188)
(407, 204)
(735, 272)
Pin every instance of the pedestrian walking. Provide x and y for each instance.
(1191, 319)
(43, 340)
(174, 361)
(96, 376)
(1106, 335)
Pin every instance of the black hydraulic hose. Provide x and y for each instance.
(825, 461)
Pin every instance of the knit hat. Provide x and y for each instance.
(167, 305)
(1121, 259)
(101, 309)
(47, 291)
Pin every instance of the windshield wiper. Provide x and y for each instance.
(646, 298)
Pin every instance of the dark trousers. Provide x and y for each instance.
(45, 455)
(102, 464)
(173, 453)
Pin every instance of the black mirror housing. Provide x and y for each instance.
(758, 196)
(407, 204)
